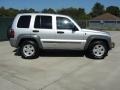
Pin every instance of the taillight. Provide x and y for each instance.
(12, 33)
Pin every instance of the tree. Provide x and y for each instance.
(50, 10)
(113, 10)
(11, 12)
(82, 14)
(31, 10)
(97, 10)
(73, 12)
(76, 13)
(2, 11)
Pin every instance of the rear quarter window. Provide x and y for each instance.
(24, 21)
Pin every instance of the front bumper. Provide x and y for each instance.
(112, 45)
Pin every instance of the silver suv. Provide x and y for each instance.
(35, 31)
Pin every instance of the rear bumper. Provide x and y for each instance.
(13, 42)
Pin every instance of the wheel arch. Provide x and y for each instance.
(94, 38)
(34, 38)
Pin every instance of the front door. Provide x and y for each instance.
(68, 35)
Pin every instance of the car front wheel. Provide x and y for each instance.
(97, 50)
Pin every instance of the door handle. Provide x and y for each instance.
(60, 32)
(35, 30)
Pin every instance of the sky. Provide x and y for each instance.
(56, 4)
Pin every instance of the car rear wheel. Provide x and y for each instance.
(29, 50)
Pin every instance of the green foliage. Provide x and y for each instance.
(97, 10)
(73, 12)
(76, 13)
(27, 11)
(11, 12)
(113, 10)
(50, 10)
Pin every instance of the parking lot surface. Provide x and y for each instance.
(60, 70)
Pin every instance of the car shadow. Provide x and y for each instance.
(56, 53)
(62, 53)
(16, 52)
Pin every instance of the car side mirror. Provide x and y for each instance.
(75, 28)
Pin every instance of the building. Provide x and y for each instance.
(105, 21)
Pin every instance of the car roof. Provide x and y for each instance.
(41, 14)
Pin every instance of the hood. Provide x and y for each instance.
(89, 30)
(96, 31)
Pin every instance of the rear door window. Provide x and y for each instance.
(43, 22)
(24, 21)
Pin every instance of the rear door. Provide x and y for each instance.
(44, 27)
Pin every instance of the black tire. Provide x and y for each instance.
(34, 51)
(91, 53)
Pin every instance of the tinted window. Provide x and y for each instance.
(43, 22)
(118, 21)
(37, 22)
(64, 23)
(94, 21)
(24, 22)
(110, 21)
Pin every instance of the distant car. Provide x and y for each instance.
(35, 31)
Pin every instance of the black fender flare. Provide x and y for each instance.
(29, 36)
(97, 37)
